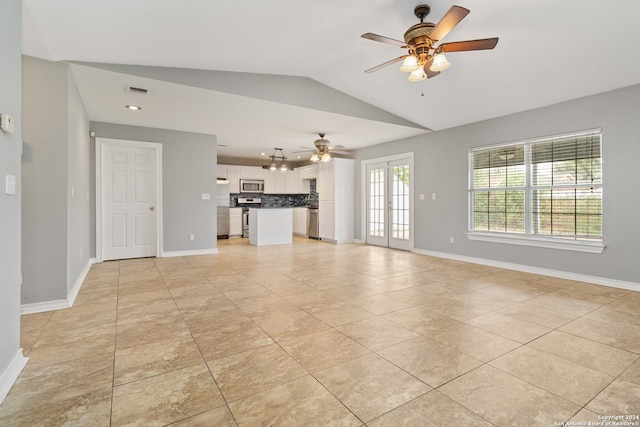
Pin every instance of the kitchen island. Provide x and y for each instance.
(270, 226)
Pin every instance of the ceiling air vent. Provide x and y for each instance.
(138, 90)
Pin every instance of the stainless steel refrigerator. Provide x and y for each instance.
(222, 201)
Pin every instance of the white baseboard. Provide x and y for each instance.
(40, 307)
(604, 281)
(10, 375)
(79, 281)
(193, 252)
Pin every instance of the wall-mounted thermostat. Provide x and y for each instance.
(7, 124)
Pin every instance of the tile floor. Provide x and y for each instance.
(321, 334)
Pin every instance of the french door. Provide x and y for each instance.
(389, 204)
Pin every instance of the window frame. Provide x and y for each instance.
(528, 237)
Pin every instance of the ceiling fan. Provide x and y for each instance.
(323, 150)
(424, 59)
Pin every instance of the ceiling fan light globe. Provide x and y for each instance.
(417, 75)
(314, 157)
(440, 63)
(409, 64)
(326, 157)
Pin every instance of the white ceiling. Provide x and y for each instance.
(549, 52)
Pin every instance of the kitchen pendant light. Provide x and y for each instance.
(278, 161)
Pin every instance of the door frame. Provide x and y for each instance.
(364, 181)
(100, 143)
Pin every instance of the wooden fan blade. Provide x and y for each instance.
(448, 21)
(427, 71)
(383, 39)
(393, 61)
(482, 44)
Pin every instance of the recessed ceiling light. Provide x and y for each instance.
(133, 107)
(298, 157)
(263, 154)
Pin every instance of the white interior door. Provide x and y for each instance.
(129, 196)
(389, 204)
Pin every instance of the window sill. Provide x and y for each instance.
(516, 239)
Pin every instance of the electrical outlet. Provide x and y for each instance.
(191, 237)
(451, 239)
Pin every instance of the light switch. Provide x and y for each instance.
(10, 184)
(421, 196)
(433, 196)
(205, 196)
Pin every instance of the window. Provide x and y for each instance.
(547, 188)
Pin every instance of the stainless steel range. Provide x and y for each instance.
(246, 203)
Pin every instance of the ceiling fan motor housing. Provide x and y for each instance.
(419, 33)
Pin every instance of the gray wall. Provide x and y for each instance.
(440, 166)
(79, 179)
(44, 174)
(188, 169)
(10, 149)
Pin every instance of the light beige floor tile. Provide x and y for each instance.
(202, 319)
(509, 327)
(313, 300)
(615, 317)
(219, 417)
(620, 398)
(323, 349)
(569, 380)
(618, 336)
(291, 325)
(92, 409)
(376, 333)
(540, 314)
(231, 338)
(153, 311)
(146, 332)
(429, 361)
(430, 410)
(268, 309)
(166, 398)
(303, 402)
(253, 371)
(475, 342)
(628, 304)
(370, 386)
(341, 313)
(507, 401)
(53, 349)
(381, 304)
(591, 354)
(146, 360)
(632, 374)
(420, 319)
(43, 385)
(586, 416)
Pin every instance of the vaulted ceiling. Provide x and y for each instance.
(272, 74)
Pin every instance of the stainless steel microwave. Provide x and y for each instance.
(252, 185)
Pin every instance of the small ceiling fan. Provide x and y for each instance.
(323, 150)
(424, 59)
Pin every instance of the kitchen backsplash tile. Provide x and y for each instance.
(281, 200)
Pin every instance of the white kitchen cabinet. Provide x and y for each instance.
(282, 182)
(235, 222)
(336, 210)
(307, 173)
(300, 221)
(233, 175)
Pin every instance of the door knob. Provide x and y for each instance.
(152, 208)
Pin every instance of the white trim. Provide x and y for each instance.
(514, 239)
(99, 141)
(79, 281)
(603, 281)
(10, 375)
(191, 252)
(41, 307)
(60, 304)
